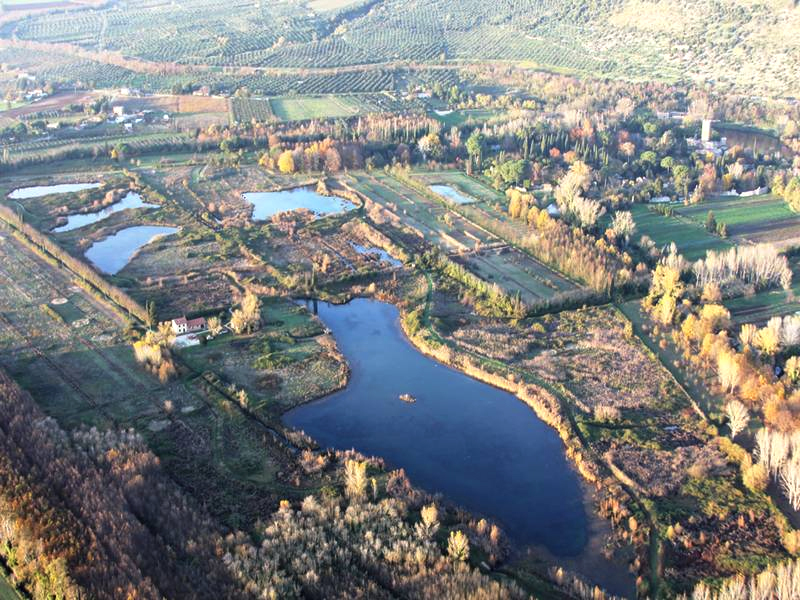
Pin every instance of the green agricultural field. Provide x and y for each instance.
(459, 118)
(245, 110)
(760, 307)
(690, 236)
(301, 108)
(764, 218)
(8, 591)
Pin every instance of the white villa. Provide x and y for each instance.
(183, 325)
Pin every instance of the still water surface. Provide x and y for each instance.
(452, 194)
(44, 190)
(114, 252)
(479, 446)
(131, 200)
(266, 204)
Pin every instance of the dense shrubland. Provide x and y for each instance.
(360, 547)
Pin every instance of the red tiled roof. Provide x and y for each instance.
(190, 323)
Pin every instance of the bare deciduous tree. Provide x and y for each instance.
(728, 371)
(738, 417)
(790, 481)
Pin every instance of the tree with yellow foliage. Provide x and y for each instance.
(355, 479)
(768, 341)
(728, 371)
(248, 317)
(286, 162)
(430, 521)
(793, 369)
(458, 546)
(747, 335)
(665, 291)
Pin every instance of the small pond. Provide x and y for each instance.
(382, 254)
(478, 445)
(114, 252)
(131, 200)
(44, 190)
(266, 204)
(452, 194)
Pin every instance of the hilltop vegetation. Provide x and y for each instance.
(751, 46)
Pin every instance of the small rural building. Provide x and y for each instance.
(184, 325)
(757, 192)
(119, 110)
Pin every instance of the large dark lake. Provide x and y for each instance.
(479, 446)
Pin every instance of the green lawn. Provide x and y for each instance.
(462, 117)
(300, 108)
(760, 219)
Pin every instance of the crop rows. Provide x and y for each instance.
(298, 108)
(246, 110)
(139, 144)
(635, 39)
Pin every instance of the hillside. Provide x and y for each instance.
(749, 44)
